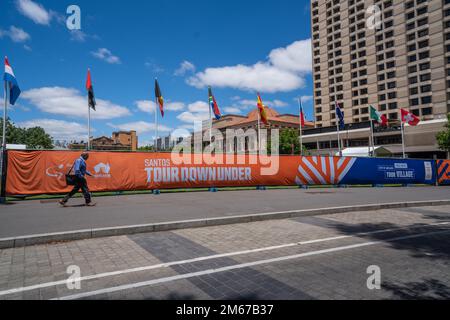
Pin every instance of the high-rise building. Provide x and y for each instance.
(391, 54)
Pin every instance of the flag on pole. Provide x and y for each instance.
(302, 114)
(9, 77)
(90, 89)
(377, 116)
(159, 98)
(340, 116)
(213, 104)
(409, 118)
(262, 111)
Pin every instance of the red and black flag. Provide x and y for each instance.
(159, 98)
(90, 89)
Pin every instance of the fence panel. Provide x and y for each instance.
(42, 172)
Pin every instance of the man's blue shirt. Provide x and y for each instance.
(80, 168)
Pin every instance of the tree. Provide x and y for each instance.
(33, 138)
(443, 138)
(146, 148)
(289, 142)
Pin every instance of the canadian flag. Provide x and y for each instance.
(409, 118)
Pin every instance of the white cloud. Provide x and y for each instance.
(140, 127)
(190, 117)
(78, 35)
(58, 129)
(246, 104)
(197, 111)
(154, 67)
(232, 110)
(199, 106)
(69, 102)
(283, 71)
(28, 48)
(17, 35)
(184, 68)
(34, 11)
(306, 98)
(106, 55)
(296, 57)
(148, 106)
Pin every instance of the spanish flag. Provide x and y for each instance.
(159, 98)
(262, 111)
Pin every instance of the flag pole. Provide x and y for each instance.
(4, 116)
(210, 122)
(3, 153)
(301, 126)
(339, 137)
(373, 138)
(156, 124)
(259, 133)
(89, 128)
(403, 140)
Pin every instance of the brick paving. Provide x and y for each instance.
(410, 268)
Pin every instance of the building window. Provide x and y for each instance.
(426, 100)
(426, 88)
(425, 77)
(427, 111)
(392, 105)
(414, 102)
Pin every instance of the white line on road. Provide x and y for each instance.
(239, 266)
(211, 257)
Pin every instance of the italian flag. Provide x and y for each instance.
(378, 117)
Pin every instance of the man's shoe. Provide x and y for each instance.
(90, 204)
(62, 203)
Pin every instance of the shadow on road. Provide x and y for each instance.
(433, 246)
(429, 289)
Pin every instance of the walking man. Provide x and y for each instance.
(79, 168)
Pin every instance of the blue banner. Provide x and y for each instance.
(391, 171)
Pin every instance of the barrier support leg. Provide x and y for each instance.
(378, 185)
(156, 192)
(305, 187)
(213, 189)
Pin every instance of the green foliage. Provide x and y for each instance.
(443, 138)
(33, 138)
(146, 148)
(289, 143)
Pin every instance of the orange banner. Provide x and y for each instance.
(43, 172)
(443, 172)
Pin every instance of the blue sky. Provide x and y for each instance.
(238, 47)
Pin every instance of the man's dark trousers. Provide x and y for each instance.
(80, 183)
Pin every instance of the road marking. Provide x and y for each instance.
(239, 266)
(211, 257)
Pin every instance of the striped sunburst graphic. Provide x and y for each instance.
(323, 170)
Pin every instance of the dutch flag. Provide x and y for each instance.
(10, 78)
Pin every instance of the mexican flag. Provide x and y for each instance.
(378, 117)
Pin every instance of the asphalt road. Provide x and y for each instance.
(34, 217)
(384, 254)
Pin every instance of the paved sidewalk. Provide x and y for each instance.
(322, 257)
(34, 217)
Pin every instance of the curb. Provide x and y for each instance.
(31, 240)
